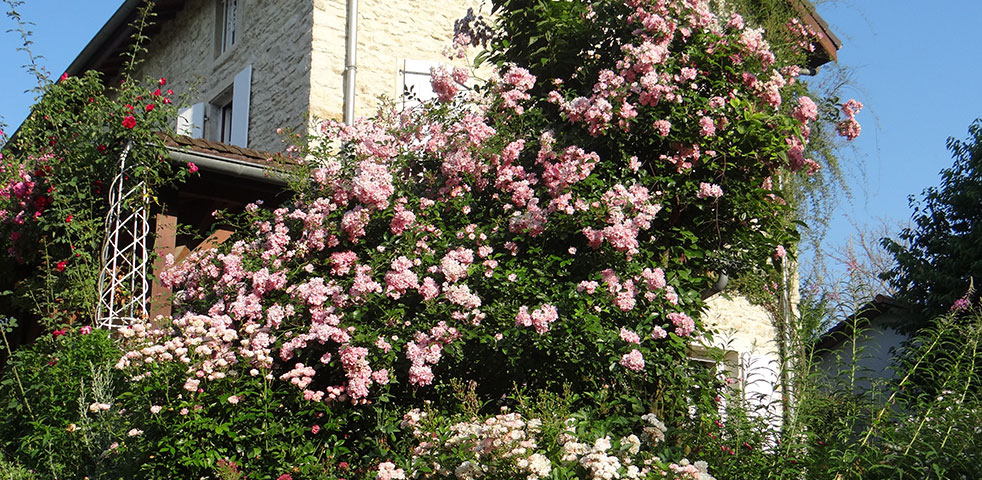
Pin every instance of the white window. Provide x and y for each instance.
(241, 96)
(225, 118)
(728, 368)
(191, 121)
(225, 135)
(226, 17)
(415, 80)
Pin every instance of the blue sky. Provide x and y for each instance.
(61, 30)
(915, 67)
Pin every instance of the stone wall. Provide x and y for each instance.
(274, 36)
(742, 326)
(388, 34)
(746, 332)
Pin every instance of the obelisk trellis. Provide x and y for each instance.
(123, 285)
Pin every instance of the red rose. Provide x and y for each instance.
(162, 81)
(149, 107)
(68, 219)
(129, 121)
(60, 266)
(58, 333)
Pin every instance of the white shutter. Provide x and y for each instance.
(191, 120)
(241, 93)
(416, 80)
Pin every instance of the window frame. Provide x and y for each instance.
(226, 25)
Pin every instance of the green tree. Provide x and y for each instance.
(938, 256)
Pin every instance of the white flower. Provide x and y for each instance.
(632, 443)
(538, 466)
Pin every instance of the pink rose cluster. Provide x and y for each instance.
(849, 127)
(709, 190)
(539, 319)
(446, 81)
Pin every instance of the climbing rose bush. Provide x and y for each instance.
(534, 232)
(55, 179)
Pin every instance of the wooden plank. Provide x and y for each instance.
(214, 240)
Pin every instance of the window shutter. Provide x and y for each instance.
(240, 107)
(191, 120)
(416, 85)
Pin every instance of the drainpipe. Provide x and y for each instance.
(717, 287)
(231, 167)
(350, 62)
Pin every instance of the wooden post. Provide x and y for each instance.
(164, 243)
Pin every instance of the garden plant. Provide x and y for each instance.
(501, 283)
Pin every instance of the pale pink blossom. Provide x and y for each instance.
(706, 127)
(629, 336)
(709, 190)
(683, 324)
(658, 333)
(663, 127)
(388, 471)
(806, 110)
(633, 361)
(443, 83)
(851, 108)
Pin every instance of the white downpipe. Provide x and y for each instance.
(350, 62)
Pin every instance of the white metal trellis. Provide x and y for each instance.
(123, 285)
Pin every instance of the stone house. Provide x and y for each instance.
(254, 66)
(861, 350)
(257, 65)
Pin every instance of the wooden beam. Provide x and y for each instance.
(214, 240)
(164, 243)
(827, 41)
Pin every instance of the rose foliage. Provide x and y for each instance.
(55, 179)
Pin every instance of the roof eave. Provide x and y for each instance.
(110, 32)
(829, 44)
